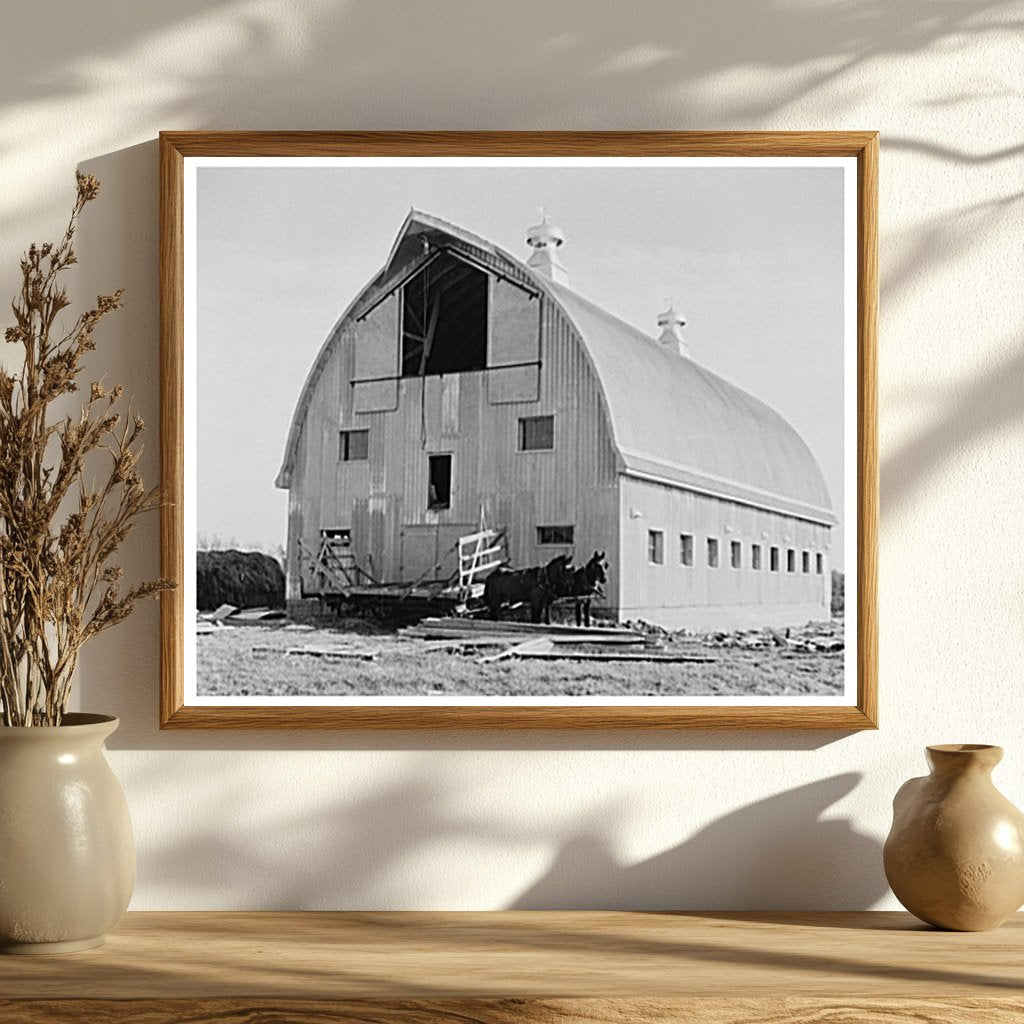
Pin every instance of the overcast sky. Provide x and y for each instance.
(751, 256)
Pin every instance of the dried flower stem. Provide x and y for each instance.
(58, 588)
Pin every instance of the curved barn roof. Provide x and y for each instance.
(674, 420)
(671, 419)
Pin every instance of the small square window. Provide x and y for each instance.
(819, 563)
(555, 534)
(774, 559)
(656, 547)
(686, 549)
(736, 554)
(790, 560)
(755, 556)
(713, 552)
(354, 445)
(805, 561)
(536, 433)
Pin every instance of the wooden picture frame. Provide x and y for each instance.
(178, 148)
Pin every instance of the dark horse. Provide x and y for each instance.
(583, 584)
(536, 586)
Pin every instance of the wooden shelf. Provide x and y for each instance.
(424, 968)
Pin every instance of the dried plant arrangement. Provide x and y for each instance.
(58, 530)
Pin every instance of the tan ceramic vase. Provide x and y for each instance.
(67, 856)
(955, 855)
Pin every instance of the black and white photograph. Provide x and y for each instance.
(520, 430)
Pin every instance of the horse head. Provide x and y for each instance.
(596, 569)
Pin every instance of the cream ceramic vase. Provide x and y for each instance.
(67, 856)
(955, 855)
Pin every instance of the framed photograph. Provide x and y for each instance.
(519, 430)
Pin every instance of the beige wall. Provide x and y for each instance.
(630, 820)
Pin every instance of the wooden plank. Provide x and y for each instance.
(321, 651)
(446, 638)
(568, 655)
(473, 570)
(715, 1010)
(537, 645)
(504, 626)
(593, 960)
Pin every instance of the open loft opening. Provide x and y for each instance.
(444, 319)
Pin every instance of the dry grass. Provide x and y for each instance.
(228, 666)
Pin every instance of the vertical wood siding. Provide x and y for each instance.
(574, 484)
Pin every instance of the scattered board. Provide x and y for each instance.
(538, 645)
(225, 611)
(565, 655)
(322, 651)
(453, 638)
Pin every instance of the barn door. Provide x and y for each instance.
(430, 552)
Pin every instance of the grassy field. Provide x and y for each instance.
(228, 665)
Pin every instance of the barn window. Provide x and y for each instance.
(805, 561)
(686, 549)
(536, 433)
(819, 563)
(354, 445)
(713, 552)
(774, 559)
(755, 556)
(736, 554)
(439, 494)
(444, 319)
(790, 560)
(656, 547)
(555, 534)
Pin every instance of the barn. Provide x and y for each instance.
(464, 387)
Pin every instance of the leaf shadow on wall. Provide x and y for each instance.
(776, 853)
(404, 843)
(336, 65)
(991, 403)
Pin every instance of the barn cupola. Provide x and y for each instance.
(672, 323)
(545, 239)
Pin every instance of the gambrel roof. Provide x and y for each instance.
(672, 420)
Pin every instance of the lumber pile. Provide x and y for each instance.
(525, 640)
(439, 628)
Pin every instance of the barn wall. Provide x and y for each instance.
(698, 596)
(384, 500)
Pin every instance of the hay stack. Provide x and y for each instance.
(246, 579)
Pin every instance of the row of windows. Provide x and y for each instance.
(536, 434)
(656, 554)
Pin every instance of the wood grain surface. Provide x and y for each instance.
(176, 146)
(528, 955)
(516, 1011)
